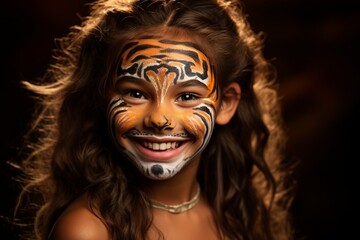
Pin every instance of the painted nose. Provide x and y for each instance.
(159, 119)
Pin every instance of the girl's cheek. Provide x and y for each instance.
(195, 125)
(128, 120)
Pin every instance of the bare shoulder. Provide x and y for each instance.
(79, 223)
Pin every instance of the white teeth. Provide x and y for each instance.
(163, 146)
(155, 146)
(160, 146)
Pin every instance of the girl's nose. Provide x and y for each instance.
(159, 119)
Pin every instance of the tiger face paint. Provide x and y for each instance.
(161, 110)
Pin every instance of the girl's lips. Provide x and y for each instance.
(160, 151)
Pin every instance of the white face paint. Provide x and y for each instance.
(161, 112)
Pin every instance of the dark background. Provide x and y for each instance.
(314, 44)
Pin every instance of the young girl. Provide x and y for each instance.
(160, 120)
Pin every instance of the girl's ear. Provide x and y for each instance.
(230, 101)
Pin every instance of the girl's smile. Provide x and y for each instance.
(159, 148)
(164, 151)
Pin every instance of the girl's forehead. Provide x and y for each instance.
(161, 48)
(180, 56)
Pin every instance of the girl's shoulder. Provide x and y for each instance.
(78, 222)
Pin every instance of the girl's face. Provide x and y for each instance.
(162, 104)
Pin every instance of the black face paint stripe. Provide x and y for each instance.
(132, 69)
(157, 67)
(113, 102)
(203, 75)
(159, 56)
(204, 121)
(139, 48)
(205, 109)
(140, 57)
(150, 37)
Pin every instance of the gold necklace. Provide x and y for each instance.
(179, 208)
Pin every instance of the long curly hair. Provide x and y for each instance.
(241, 173)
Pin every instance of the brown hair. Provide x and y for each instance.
(241, 171)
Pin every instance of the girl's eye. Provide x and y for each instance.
(135, 94)
(187, 97)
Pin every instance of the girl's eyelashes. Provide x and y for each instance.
(134, 94)
(187, 97)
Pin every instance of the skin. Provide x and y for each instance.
(162, 106)
(78, 222)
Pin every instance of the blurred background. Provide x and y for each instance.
(314, 44)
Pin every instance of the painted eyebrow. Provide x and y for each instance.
(192, 83)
